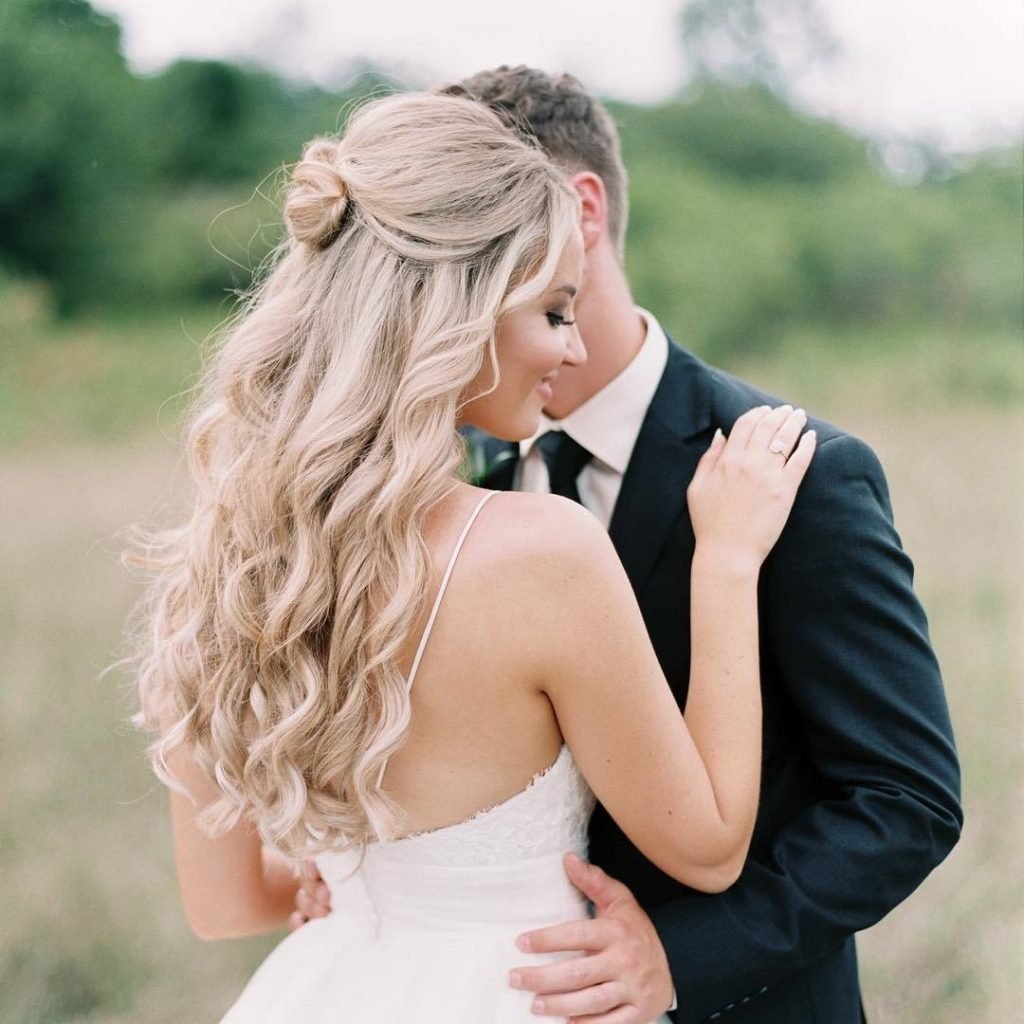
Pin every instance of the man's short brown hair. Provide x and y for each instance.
(571, 125)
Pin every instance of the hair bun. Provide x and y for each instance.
(318, 198)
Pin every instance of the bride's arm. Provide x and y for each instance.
(231, 886)
(683, 789)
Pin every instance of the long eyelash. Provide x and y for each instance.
(557, 320)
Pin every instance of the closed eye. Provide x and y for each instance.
(557, 320)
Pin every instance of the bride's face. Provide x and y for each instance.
(533, 343)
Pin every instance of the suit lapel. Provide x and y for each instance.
(667, 450)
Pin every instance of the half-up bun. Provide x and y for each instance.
(316, 203)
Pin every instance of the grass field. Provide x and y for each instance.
(90, 926)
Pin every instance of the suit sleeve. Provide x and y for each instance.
(850, 640)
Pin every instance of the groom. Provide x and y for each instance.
(860, 792)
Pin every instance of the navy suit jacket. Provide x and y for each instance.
(860, 791)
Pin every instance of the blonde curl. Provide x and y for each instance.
(324, 431)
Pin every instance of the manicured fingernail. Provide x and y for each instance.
(523, 942)
(514, 980)
(538, 1006)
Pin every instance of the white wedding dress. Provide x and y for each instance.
(422, 929)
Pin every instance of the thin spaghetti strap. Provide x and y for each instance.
(444, 586)
(437, 604)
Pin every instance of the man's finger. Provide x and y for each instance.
(598, 999)
(622, 1015)
(601, 889)
(564, 976)
(571, 937)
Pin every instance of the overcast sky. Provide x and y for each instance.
(945, 70)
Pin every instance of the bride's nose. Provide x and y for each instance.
(575, 350)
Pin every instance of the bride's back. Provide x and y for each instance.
(481, 724)
(422, 927)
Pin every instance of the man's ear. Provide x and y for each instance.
(594, 206)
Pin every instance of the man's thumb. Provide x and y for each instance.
(598, 887)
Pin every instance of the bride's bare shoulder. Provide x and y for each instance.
(543, 530)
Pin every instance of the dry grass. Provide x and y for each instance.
(91, 928)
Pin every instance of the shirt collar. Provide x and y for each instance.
(608, 423)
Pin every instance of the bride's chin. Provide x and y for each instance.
(513, 435)
(508, 425)
(523, 427)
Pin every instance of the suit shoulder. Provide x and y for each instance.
(851, 453)
(845, 472)
(731, 397)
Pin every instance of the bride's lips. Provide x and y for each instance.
(544, 387)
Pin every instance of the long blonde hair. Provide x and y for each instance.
(324, 430)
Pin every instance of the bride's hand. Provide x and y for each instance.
(744, 487)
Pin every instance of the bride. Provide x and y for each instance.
(428, 282)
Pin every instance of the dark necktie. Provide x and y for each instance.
(565, 459)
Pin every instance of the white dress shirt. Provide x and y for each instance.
(606, 424)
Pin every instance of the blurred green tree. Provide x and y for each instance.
(109, 183)
(67, 155)
(771, 43)
(748, 218)
(746, 132)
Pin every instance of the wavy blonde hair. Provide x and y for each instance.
(324, 430)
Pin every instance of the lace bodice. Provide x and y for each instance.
(501, 862)
(549, 816)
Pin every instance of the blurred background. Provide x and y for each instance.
(826, 199)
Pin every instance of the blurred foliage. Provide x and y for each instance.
(747, 134)
(109, 182)
(771, 42)
(748, 219)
